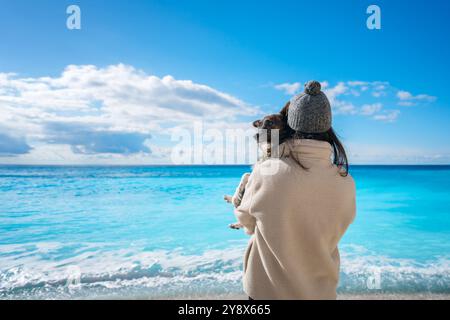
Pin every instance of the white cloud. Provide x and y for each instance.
(324, 84)
(387, 116)
(344, 95)
(378, 94)
(343, 107)
(11, 145)
(408, 99)
(288, 88)
(353, 88)
(370, 109)
(377, 89)
(111, 111)
(333, 92)
(379, 86)
(357, 83)
(404, 95)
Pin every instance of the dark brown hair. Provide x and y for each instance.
(339, 155)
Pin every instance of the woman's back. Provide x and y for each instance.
(298, 213)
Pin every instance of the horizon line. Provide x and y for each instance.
(199, 165)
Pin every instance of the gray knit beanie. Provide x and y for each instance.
(310, 111)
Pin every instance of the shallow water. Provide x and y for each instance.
(158, 232)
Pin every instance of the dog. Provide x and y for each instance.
(277, 121)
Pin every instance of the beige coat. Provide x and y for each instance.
(296, 218)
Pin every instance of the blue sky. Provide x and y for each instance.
(170, 63)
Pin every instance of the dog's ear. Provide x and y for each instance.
(284, 111)
(257, 123)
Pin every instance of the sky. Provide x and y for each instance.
(138, 73)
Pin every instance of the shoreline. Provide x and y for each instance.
(343, 296)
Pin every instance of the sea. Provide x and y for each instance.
(161, 232)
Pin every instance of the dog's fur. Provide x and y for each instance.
(276, 121)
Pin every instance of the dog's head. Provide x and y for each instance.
(272, 121)
(277, 121)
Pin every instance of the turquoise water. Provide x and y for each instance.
(156, 232)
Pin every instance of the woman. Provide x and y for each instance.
(297, 213)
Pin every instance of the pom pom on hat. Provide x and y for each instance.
(312, 87)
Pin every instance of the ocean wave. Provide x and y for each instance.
(95, 271)
(124, 272)
(363, 271)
